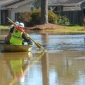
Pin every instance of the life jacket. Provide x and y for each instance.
(16, 38)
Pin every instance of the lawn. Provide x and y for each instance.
(59, 30)
(75, 28)
(69, 29)
(4, 27)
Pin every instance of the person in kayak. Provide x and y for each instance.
(18, 37)
(7, 38)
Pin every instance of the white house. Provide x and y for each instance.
(15, 6)
(8, 8)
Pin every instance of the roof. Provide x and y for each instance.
(65, 2)
(18, 3)
(12, 2)
(4, 2)
(73, 1)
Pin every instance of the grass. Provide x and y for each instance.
(69, 29)
(4, 27)
(75, 28)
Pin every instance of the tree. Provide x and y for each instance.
(44, 11)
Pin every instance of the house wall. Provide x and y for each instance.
(37, 4)
(56, 8)
(23, 8)
(71, 8)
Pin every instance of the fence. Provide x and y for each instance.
(75, 17)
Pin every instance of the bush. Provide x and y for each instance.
(25, 17)
(36, 17)
(63, 20)
(52, 17)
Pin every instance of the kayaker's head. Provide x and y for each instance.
(21, 25)
(17, 23)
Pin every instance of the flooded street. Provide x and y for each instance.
(62, 63)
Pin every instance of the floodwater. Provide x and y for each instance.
(61, 64)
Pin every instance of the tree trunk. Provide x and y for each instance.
(44, 11)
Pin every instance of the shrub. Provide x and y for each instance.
(36, 17)
(52, 17)
(25, 17)
(63, 20)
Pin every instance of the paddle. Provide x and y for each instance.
(22, 30)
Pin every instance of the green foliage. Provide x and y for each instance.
(52, 17)
(63, 20)
(25, 17)
(36, 17)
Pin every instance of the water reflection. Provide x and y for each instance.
(16, 66)
(67, 68)
(62, 64)
(43, 68)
